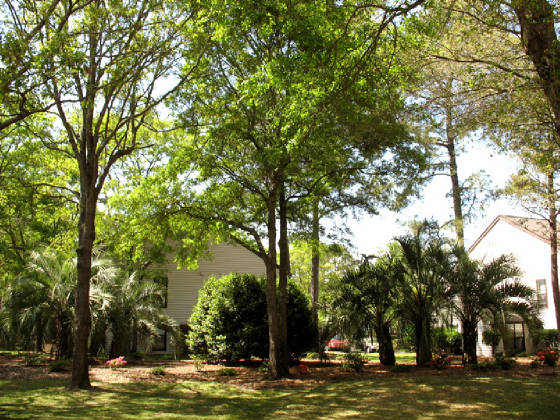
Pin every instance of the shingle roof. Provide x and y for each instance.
(537, 228)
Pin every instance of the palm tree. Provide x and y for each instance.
(426, 262)
(486, 290)
(41, 301)
(366, 301)
(134, 311)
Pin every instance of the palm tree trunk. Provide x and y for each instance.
(469, 342)
(423, 341)
(553, 235)
(315, 272)
(385, 341)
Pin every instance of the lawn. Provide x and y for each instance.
(393, 397)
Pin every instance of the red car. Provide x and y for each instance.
(337, 343)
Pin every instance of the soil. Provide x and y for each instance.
(13, 368)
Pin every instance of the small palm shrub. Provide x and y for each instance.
(353, 360)
(158, 370)
(227, 372)
(59, 365)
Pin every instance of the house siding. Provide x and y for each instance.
(183, 285)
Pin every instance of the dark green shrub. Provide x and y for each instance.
(58, 365)
(34, 359)
(505, 363)
(158, 370)
(227, 372)
(447, 340)
(546, 338)
(401, 368)
(229, 321)
(353, 360)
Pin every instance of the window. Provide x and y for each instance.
(542, 296)
(160, 343)
(162, 281)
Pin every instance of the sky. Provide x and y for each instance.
(372, 233)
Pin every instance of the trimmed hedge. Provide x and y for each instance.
(229, 321)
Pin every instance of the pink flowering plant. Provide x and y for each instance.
(548, 356)
(118, 362)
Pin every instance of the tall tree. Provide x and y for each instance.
(103, 71)
(282, 111)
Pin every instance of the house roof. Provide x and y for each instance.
(537, 228)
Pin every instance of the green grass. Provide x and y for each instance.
(401, 356)
(397, 397)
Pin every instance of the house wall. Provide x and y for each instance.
(533, 258)
(183, 285)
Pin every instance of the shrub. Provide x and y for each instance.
(548, 356)
(117, 362)
(353, 360)
(227, 372)
(401, 368)
(229, 321)
(546, 338)
(264, 367)
(441, 360)
(447, 340)
(34, 359)
(57, 365)
(312, 355)
(505, 363)
(500, 362)
(158, 370)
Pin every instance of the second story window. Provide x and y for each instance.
(542, 296)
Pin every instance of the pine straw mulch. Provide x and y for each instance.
(12, 368)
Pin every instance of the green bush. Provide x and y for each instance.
(500, 362)
(57, 365)
(34, 359)
(158, 370)
(227, 372)
(353, 360)
(546, 338)
(401, 368)
(447, 340)
(229, 321)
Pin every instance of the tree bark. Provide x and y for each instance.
(453, 173)
(538, 35)
(277, 356)
(82, 318)
(315, 272)
(553, 235)
(423, 341)
(385, 341)
(469, 342)
(283, 274)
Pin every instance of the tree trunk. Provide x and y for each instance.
(552, 221)
(315, 272)
(469, 342)
(423, 341)
(385, 341)
(538, 35)
(283, 274)
(455, 188)
(82, 318)
(277, 356)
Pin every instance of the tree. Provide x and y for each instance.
(366, 301)
(485, 290)
(276, 118)
(426, 263)
(102, 70)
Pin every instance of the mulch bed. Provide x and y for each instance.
(12, 368)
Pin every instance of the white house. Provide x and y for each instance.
(527, 240)
(183, 285)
